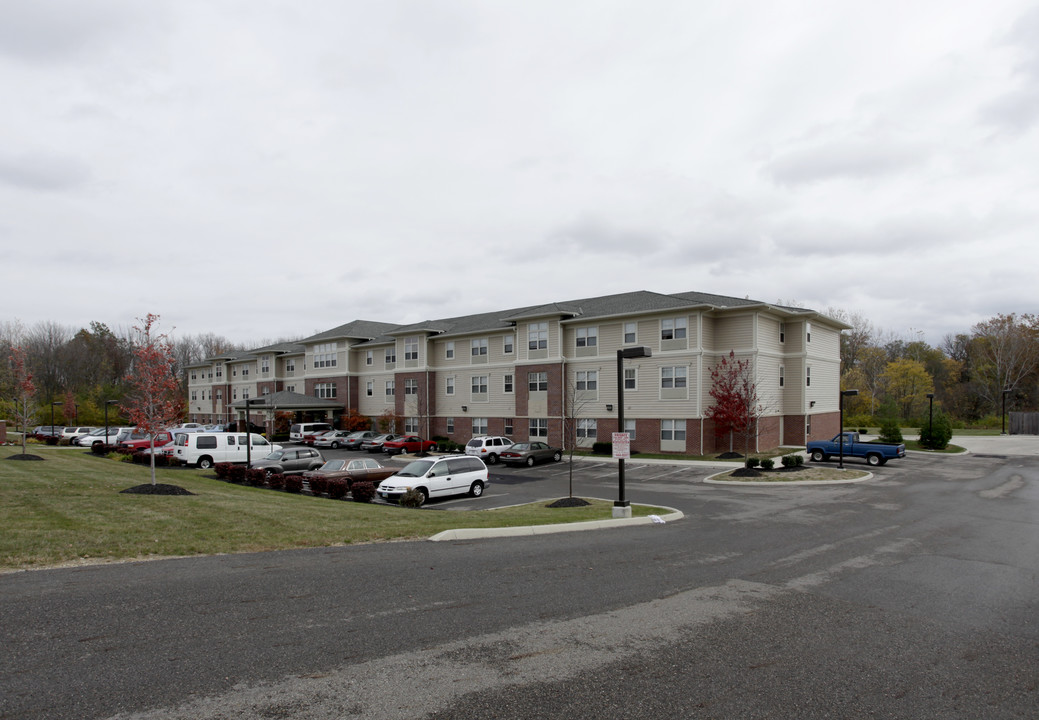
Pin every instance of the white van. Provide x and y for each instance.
(205, 449)
(298, 430)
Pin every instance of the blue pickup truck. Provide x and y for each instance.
(876, 453)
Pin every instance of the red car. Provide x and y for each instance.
(407, 444)
(162, 438)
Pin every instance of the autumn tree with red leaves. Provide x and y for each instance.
(25, 388)
(736, 408)
(153, 402)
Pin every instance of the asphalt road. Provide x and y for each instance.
(911, 595)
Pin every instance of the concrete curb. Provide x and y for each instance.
(783, 483)
(476, 533)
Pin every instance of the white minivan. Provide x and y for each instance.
(298, 430)
(205, 449)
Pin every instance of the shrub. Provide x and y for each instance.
(863, 431)
(412, 498)
(293, 483)
(256, 476)
(336, 488)
(767, 463)
(124, 457)
(936, 435)
(100, 449)
(789, 461)
(223, 470)
(752, 462)
(237, 473)
(602, 448)
(890, 432)
(318, 485)
(362, 491)
(277, 481)
(799, 460)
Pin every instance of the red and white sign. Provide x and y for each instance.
(621, 446)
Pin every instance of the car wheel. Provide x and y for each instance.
(492, 459)
(557, 457)
(818, 456)
(477, 489)
(425, 495)
(205, 462)
(873, 459)
(268, 472)
(530, 461)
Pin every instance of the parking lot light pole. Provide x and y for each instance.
(1004, 431)
(107, 403)
(844, 394)
(59, 402)
(622, 508)
(930, 413)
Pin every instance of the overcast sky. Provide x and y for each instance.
(261, 169)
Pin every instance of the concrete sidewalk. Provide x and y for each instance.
(998, 444)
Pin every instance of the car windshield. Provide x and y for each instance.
(520, 446)
(356, 434)
(333, 465)
(474, 443)
(276, 455)
(417, 468)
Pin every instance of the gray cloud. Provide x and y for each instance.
(48, 31)
(854, 158)
(47, 173)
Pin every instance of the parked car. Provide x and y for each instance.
(290, 461)
(205, 449)
(74, 433)
(98, 436)
(875, 452)
(360, 470)
(437, 476)
(43, 432)
(189, 426)
(333, 439)
(528, 453)
(374, 445)
(161, 438)
(311, 438)
(407, 444)
(353, 440)
(487, 447)
(298, 430)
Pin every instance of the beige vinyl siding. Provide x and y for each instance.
(768, 335)
(378, 403)
(735, 333)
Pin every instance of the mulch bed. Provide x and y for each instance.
(26, 456)
(157, 489)
(752, 472)
(568, 502)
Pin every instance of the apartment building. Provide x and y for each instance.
(535, 372)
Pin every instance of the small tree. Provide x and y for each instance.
(25, 393)
(355, 421)
(734, 397)
(153, 402)
(937, 433)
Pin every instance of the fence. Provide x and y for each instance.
(1024, 423)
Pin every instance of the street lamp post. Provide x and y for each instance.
(930, 414)
(622, 508)
(844, 394)
(1005, 393)
(53, 403)
(107, 403)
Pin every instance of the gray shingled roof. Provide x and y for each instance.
(354, 330)
(285, 400)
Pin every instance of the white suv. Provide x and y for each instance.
(487, 447)
(437, 477)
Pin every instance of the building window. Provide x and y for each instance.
(539, 427)
(234, 371)
(410, 348)
(508, 344)
(219, 370)
(630, 333)
(629, 427)
(808, 332)
(672, 430)
(193, 375)
(673, 377)
(479, 347)
(265, 364)
(369, 358)
(234, 394)
(325, 355)
(391, 388)
(782, 332)
(411, 425)
(245, 393)
(219, 395)
(508, 426)
(587, 337)
(537, 381)
(369, 388)
(325, 390)
(630, 378)
(587, 428)
(588, 380)
(450, 387)
(808, 376)
(450, 426)
(479, 426)
(266, 390)
(391, 355)
(537, 336)
(194, 395)
(507, 383)
(479, 384)
(673, 328)
(290, 388)
(245, 371)
(411, 386)
(782, 374)
(449, 350)
(290, 365)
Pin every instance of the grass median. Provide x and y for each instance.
(69, 509)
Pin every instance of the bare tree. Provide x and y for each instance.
(575, 402)
(1005, 351)
(25, 393)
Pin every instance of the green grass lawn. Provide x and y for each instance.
(68, 508)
